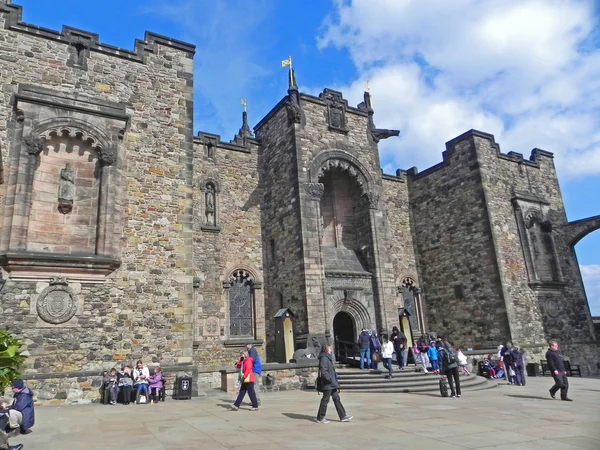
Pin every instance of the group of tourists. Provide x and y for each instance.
(513, 362)
(148, 387)
(16, 417)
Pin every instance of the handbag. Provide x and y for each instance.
(319, 382)
(376, 357)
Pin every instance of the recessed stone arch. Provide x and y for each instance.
(345, 161)
(352, 302)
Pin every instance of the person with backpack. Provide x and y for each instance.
(257, 367)
(364, 344)
(449, 365)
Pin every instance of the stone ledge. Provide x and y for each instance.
(243, 342)
(37, 266)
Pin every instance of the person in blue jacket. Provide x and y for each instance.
(21, 412)
(432, 352)
(256, 368)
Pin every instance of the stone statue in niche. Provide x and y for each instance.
(209, 210)
(66, 189)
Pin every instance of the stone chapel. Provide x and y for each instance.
(124, 235)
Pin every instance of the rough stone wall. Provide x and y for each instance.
(144, 308)
(455, 251)
(401, 244)
(281, 225)
(235, 243)
(537, 311)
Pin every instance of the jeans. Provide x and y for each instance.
(336, 401)
(142, 388)
(434, 364)
(365, 353)
(560, 382)
(246, 387)
(453, 373)
(400, 358)
(113, 392)
(424, 361)
(387, 363)
(126, 390)
(520, 375)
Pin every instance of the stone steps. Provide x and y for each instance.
(409, 380)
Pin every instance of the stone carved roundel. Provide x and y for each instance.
(56, 304)
(551, 307)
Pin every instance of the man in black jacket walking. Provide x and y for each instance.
(399, 340)
(330, 387)
(559, 372)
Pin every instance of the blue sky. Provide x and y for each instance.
(527, 71)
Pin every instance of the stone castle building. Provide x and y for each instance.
(123, 235)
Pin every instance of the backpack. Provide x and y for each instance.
(447, 355)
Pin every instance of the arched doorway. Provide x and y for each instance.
(344, 333)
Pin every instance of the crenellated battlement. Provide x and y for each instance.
(537, 155)
(11, 16)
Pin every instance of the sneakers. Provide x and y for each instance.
(346, 419)
(253, 409)
(566, 399)
(551, 394)
(323, 420)
(458, 396)
(234, 408)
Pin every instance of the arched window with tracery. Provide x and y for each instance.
(241, 304)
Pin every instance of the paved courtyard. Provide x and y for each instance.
(507, 417)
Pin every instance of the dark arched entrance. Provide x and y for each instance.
(344, 335)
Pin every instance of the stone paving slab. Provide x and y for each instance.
(507, 417)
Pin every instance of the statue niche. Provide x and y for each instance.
(66, 189)
(541, 243)
(209, 211)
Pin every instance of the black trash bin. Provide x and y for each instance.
(183, 388)
(533, 370)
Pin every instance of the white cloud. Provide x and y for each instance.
(591, 278)
(227, 61)
(523, 70)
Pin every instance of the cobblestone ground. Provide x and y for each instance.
(507, 417)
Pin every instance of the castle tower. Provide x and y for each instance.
(325, 233)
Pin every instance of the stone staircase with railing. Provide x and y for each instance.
(406, 381)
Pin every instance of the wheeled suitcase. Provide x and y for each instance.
(444, 387)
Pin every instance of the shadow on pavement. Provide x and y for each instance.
(225, 405)
(529, 396)
(299, 416)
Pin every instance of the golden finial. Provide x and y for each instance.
(244, 103)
